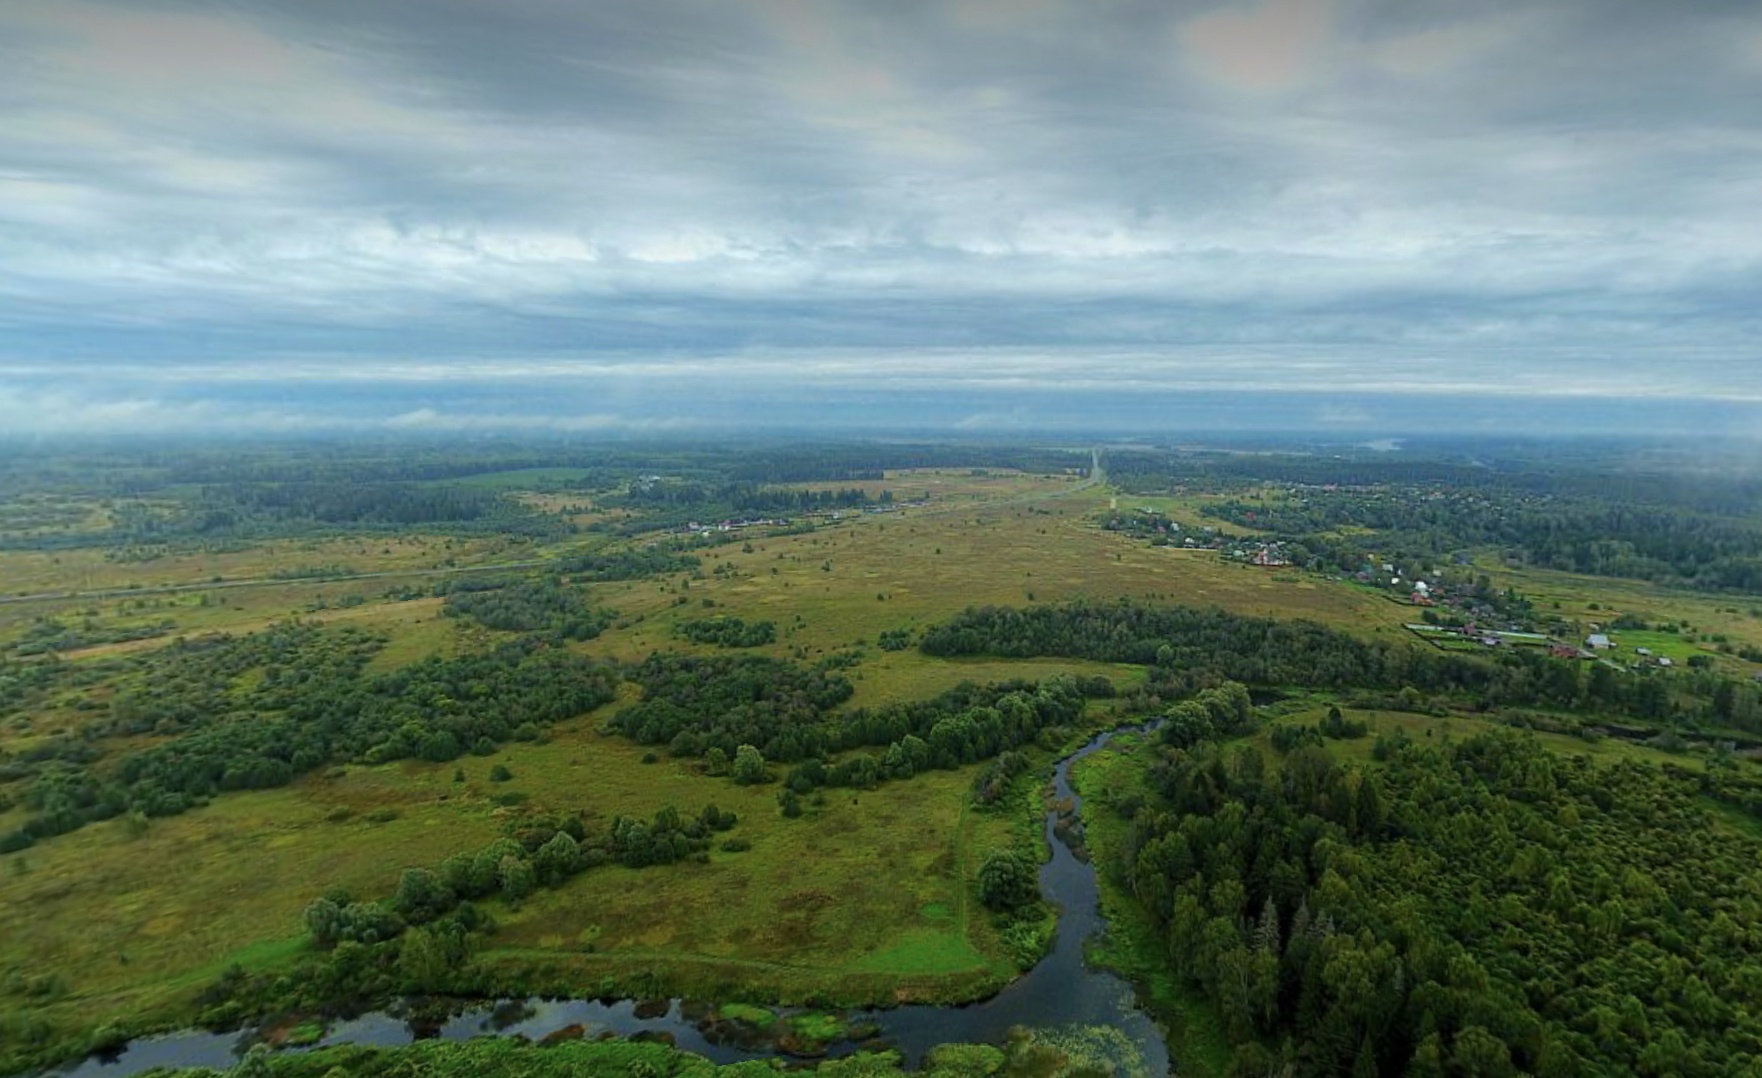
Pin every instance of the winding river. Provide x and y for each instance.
(1060, 993)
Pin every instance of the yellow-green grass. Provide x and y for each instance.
(561, 502)
(198, 609)
(250, 610)
(863, 883)
(886, 677)
(29, 572)
(1673, 646)
(45, 514)
(134, 923)
(1571, 595)
(1604, 750)
(913, 569)
(903, 570)
(869, 896)
(866, 897)
(1187, 510)
(947, 486)
(1196, 1041)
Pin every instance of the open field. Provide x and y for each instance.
(1603, 750)
(870, 893)
(870, 896)
(868, 888)
(949, 487)
(1599, 600)
(1187, 510)
(830, 589)
(843, 586)
(27, 572)
(872, 882)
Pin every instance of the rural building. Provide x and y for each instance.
(1599, 642)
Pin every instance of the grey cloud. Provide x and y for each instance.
(1483, 195)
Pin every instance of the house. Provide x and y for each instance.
(1565, 651)
(1642, 651)
(1599, 642)
(1665, 662)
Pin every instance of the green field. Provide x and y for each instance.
(870, 897)
(1711, 620)
(865, 899)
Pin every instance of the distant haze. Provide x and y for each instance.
(638, 218)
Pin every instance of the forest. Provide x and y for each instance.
(1190, 647)
(312, 706)
(487, 732)
(1481, 907)
(544, 605)
(191, 497)
(1701, 534)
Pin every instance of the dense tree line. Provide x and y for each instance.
(637, 564)
(312, 705)
(1594, 516)
(1190, 648)
(253, 512)
(970, 722)
(1199, 642)
(739, 498)
(197, 680)
(512, 868)
(421, 937)
(1584, 534)
(781, 712)
(845, 463)
(692, 704)
(192, 494)
(673, 503)
(26, 683)
(46, 635)
(543, 605)
(1623, 471)
(727, 631)
(1481, 908)
(406, 504)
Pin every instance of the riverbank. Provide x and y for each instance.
(1196, 1042)
(1070, 1006)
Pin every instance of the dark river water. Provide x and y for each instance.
(1060, 995)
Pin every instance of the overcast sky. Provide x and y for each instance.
(988, 214)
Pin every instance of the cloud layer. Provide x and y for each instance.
(629, 199)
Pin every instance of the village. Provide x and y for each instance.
(736, 525)
(1455, 616)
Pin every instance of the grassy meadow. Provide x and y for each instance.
(1711, 620)
(870, 897)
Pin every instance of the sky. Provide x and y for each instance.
(975, 215)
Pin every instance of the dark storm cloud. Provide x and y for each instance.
(1427, 197)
